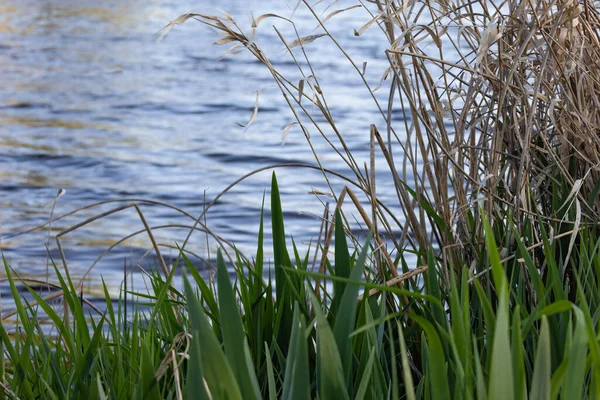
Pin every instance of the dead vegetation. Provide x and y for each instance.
(500, 108)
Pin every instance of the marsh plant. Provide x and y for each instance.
(490, 289)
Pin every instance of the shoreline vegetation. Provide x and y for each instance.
(492, 142)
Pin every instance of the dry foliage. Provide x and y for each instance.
(501, 113)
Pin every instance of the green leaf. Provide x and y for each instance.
(296, 383)
(281, 260)
(101, 394)
(577, 359)
(439, 221)
(83, 367)
(147, 385)
(366, 377)
(532, 269)
(280, 253)
(557, 307)
(409, 386)
(541, 382)
(518, 357)
(498, 274)
(480, 379)
(258, 263)
(270, 374)
(194, 388)
(234, 337)
(342, 260)
(433, 288)
(331, 379)
(437, 360)
(488, 312)
(501, 385)
(207, 295)
(217, 371)
(347, 311)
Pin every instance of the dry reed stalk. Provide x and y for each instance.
(398, 279)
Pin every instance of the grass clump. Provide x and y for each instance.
(471, 339)
(490, 290)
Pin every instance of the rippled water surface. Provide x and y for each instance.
(90, 102)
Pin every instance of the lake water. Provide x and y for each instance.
(91, 103)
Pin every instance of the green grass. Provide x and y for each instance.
(472, 338)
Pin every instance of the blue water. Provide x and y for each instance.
(91, 103)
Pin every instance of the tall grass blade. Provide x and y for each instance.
(409, 386)
(270, 374)
(342, 260)
(219, 377)
(577, 358)
(437, 360)
(296, 380)
(542, 375)
(331, 383)
(234, 338)
(281, 259)
(347, 310)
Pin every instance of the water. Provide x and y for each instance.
(91, 103)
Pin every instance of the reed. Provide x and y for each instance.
(497, 182)
(508, 119)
